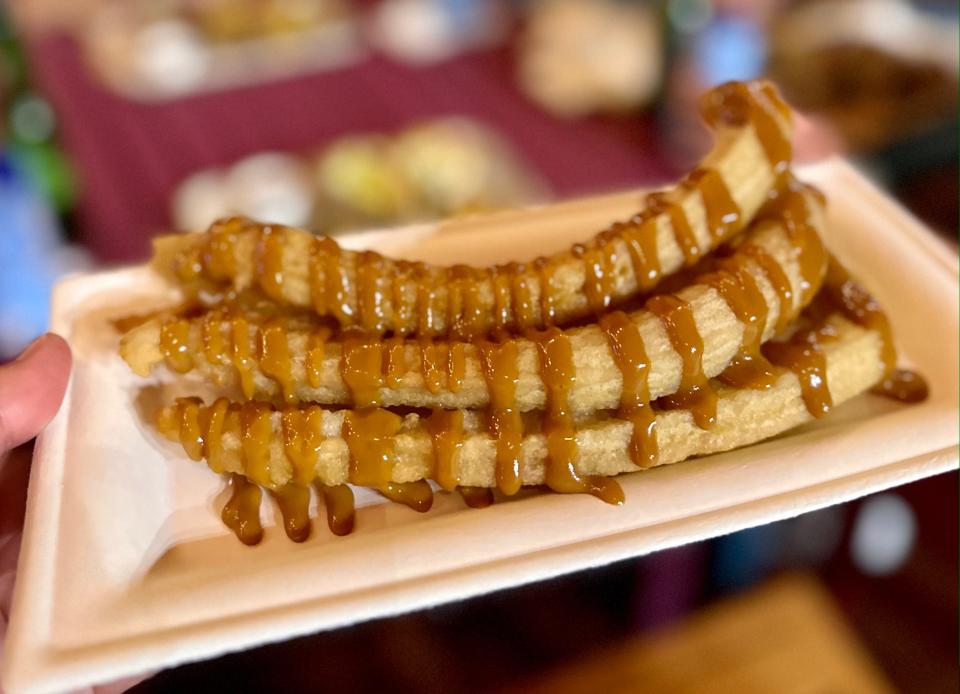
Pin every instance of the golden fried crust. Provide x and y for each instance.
(738, 157)
(853, 364)
(598, 384)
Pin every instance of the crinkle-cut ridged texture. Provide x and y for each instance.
(738, 156)
(853, 364)
(599, 381)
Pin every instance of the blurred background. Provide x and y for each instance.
(122, 119)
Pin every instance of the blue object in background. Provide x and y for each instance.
(730, 48)
(30, 253)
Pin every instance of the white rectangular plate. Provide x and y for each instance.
(125, 566)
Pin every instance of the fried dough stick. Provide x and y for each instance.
(383, 296)
(853, 358)
(786, 263)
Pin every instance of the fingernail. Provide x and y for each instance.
(33, 347)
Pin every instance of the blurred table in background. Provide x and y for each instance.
(132, 154)
(786, 636)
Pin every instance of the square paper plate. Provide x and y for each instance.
(125, 566)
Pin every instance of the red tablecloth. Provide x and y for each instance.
(130, 156)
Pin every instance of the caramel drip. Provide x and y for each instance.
(748, 368)
(640, 235)
(759, 104)
(415, 495)
(695, 393)
(502, 299)
(218, 422)
(446, 434)
(370, 437)
(789, 207)
(778, 280)
(191, 430)
(500, 370)
(302, 438)
(427, 297)
(403, 300)
(241, 513)
(598, 283)
(361, 360)
(174, 338)
(432, 364)
(657, 204)
(269, 262)
(724, 217)
(456, 365)
(470, 318)
(842, 292)
(329, 282)
(313, 359)
(630, 355)
(340, 510)
(256, 432)
(396, 365)
(903, 386)
(803, 356)
(294, 504)
(476, 497)
(219, 256)
(559, 375)
(370, 296)
(214, 342)
(521, 298)
(545, 270)
(275, 358)
(242, 356)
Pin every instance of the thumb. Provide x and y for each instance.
(31, 388)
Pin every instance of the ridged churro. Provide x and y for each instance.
(383, 296)
(784, 260)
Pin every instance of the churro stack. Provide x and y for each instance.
(712, 319)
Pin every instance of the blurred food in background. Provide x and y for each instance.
(439, 168)
(578, 58)
(149, 49)
(880, 71)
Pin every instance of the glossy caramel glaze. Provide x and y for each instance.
(626, 345)
(381, 297)
(695, 392)
(340, 508)
(499, 363)
(294, 504)
(242, 511)
(476, 497)
(415, 495)
(559, 374)
(369, 434)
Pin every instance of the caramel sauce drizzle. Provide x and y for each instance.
(558, 373)
(640, 235)
(695, 393)
(748, 368)
(778, 280)
(370, 296)
(598, 283)
(803, 355)
(499, 365)
(446, 435)
(313, 359)
(294, 504)
(396, 362)
(369, 434)
(758, 103)
(361, 361)
(545, 271)
(275, 358)
(269, 262)
(433, 364)
(302, 438)
(724, 217)
(256, 432)
(659, 203)
(340, 508)
(456, 365)
(476, 497)
(174, 335)
(242, 355)
(630, 355)
(241, 513)
(415, 495)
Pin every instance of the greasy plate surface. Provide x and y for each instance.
(126, 567)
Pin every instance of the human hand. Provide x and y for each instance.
(31, 389)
